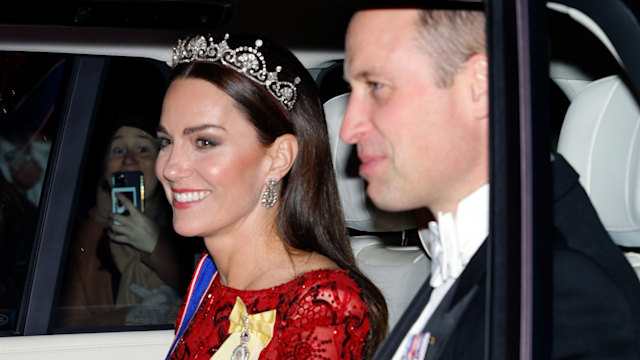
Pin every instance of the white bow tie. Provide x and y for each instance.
(454, 240)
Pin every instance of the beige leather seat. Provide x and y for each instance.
(600, 138)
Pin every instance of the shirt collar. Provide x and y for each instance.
(454, 239)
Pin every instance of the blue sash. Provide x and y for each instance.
(202, 278)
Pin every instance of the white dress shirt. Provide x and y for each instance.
(451, 241)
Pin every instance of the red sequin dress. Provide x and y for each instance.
(320, 315)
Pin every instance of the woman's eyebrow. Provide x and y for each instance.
(195, 129)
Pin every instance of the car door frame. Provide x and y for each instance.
(57, 208)
(519, 267)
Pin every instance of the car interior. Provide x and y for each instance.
(600, 130)
(599, 138)
(595, 125)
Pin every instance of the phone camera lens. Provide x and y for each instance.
(120, 180)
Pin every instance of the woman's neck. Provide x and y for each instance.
(251, 262)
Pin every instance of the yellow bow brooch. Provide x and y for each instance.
(249, 334)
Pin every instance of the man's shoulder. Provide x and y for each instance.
(596, 294)
(594, 310)
(580, 238)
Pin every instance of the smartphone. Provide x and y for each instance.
(130, 184)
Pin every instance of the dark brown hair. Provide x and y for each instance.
(310, 210)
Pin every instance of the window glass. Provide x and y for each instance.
(598, 133)
(30, 103)
(125, 264)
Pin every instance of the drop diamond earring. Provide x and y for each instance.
(270, 196)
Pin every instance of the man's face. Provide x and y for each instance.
(414, 139)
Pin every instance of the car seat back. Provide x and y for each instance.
(600, 138)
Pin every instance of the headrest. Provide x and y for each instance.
(360, 213)
(600, 138)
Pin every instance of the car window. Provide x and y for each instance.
(580, 62)
(30, 103)
(133, 270)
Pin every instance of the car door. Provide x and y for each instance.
(64, 127)
(526, 117)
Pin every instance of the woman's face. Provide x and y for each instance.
(211, 164)
(133, 149)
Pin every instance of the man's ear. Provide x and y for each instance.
(283, 152)
(477, 68)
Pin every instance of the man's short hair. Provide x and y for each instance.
(450, 38)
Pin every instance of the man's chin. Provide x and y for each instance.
(391, 201)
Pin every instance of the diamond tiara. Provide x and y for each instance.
(244, 59)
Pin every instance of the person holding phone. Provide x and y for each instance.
(126, 267)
